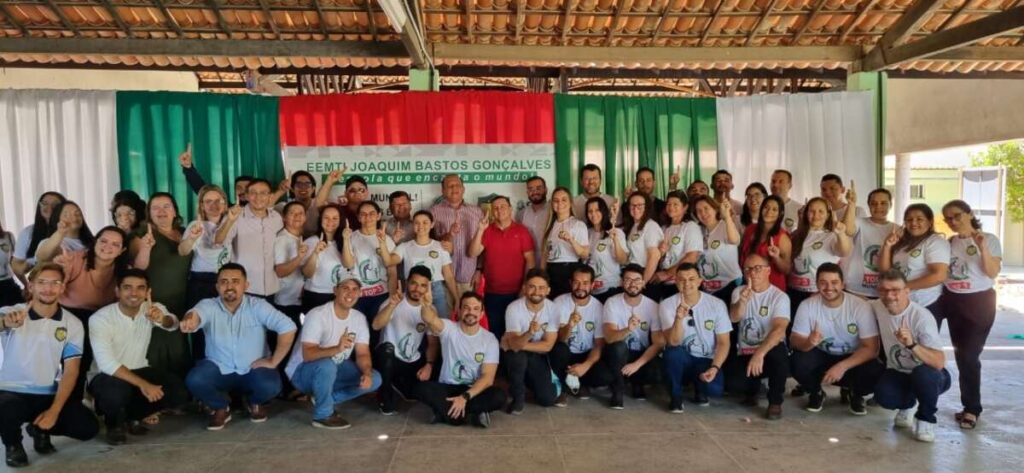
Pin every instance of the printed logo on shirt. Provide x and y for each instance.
(915, 253)
(852, 328)
(544, 327)
(5, 246)
(421, 327)
(871, 257)
(715, 244)
(972, 250)
(817, 245)
(406, 348)
(479, 357)
(337, 274)
(751, 332)
(634, 236)
(223, 258)
(903, 359)
(433, 254)
(709, 325)
(789, 222)
(601, 246)
(676, 240)
(957, 269)
(763, 311)
(61, 334)
(461, 373)
(589, 326)
(708, 269)
(369, 272)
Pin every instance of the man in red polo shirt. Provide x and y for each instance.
(506, 250)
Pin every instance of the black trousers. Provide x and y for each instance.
(810, 366)
(561, 358)
(200, 286)
(776, 369)
(312, 300)
(527, 369)
(293, 312)
(10, 293)
(17, 409)
(604, 296)
(435, 395)
(618, 355)
(970, 319)
(394, 373)
(79, 392)
(560, 275)
(119, 402)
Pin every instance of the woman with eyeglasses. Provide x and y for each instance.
(24, 257)
(754, 197)
(920, 253)
(683, 243)
(643, 240)
(719, 262)
(968, 301)
(607, 249)
(198, 241)
(565, 242)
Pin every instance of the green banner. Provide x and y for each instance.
(231, 135)
(622, 134)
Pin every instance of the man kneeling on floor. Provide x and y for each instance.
(127, 389)
(915, 364)
(531, 329)
(469, 354)
(322, 363)
(235, 326)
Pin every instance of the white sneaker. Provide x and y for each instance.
(925, 431)
(902, 419)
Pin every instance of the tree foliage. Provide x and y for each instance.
(1011, 156)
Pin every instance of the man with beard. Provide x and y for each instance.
(633, 337)
(835, 341)
(456, 223)
(580, 339)
(127, 389)
(235, 326)
(696, 331)
(465, 389)
(721, 184)
(781, 185)
(253, 229)
(590, 185)
(915, 364)
(645, 185)
(531, 330)
(398, 357)
(331, 362)
(507, 253)
(42, 342)
(537, 213)
(762, 312)
(833, 191)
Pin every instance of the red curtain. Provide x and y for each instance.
(417, 118)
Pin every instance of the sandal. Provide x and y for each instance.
(153, 419)
(967, 421)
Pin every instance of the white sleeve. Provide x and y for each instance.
(780, 306)
(995, 248)
(926, 330)
(802, 322)
(937, 251)
(167, 313)
(311, 330)
(652, 237)
(362, 331)
(491, 355)
(100, 338)
(867, 324)
(693, 240)
(579, 233)
(722, 322)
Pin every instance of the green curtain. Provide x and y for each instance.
(231, 135)
(622, 134)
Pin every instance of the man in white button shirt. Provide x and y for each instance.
(536, 214)
(531, 329)
(127, 389)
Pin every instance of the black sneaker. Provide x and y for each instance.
(40, 440)
(675, 406)
(584, 393)
(639, 393)
(815, 401)
(136, 428)
(386, 410)
(516, 407)
(116, 436)
(797, 391)
(563, 398)
(749, 400)
(701, 400)
(857, 406)
(844, 396)
(482, 420)
(16, 456)
(616, 402)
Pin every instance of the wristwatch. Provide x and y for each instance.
(911, 346)
(467, 396)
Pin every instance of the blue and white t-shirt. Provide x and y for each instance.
(34, 353)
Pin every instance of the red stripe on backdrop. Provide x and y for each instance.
(417, 118)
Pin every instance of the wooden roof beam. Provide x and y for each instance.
(956, 14)
(657, 26)
(760, 21)
(117, 18)
(369, 18)
(321, 19)
(933, 45)
(615, 21)
(63, 18)
(520, 18)
(13, 21)
(711, 21)
(221, 22)
(570, 6)
(810, 19)
(909, 22)
(270, 19)
(468, 18)
(172, 23)
(503, 53)
(853, 24)
(202, 47)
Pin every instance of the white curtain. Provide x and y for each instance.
(808, 134)
(57, 140)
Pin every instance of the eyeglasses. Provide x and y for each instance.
(48, 283)
(637, 206)
(303, 185)
(952, 217)
(633, 280)
(356, 190)
(755, 268)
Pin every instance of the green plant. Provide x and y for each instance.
(1011, 156)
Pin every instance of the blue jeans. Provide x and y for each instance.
(439, 291)
(330, 384)
(683, 368)
(207, 384)
(923, 385)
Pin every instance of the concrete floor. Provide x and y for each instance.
(589, 437)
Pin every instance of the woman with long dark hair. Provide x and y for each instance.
(643, 238)
(920, 253)
(128, 210)
(327, 264)
(683, 243)
(607, 249)
(768, 238)
(565, 242)
(819, 238)
(29, 237)
(68, 231)
(719, 262)
(754, 196)
(10, 293)
(425, 250)
(968, 300)
(372, 251)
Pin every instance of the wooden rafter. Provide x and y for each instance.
(760, 21)
(615, 21)
(909, 22)
(171, 22)
(221, 22)
(707, 28)
(13, 21)
(807, 24)
(369, 18)
(661, 20)
(117, 18)
(321, 19)
(468, 18)
(570, 6)
(68, 24)
(200, 47)
(520, 18)
(270, 18)
(853, 23)
(956, 14)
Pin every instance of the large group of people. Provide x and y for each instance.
(472, 310)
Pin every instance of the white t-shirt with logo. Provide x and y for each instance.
(324, 329)
(708, 317)
(518, 317)
(637, 242)
(913, 262)
(329, 270)
(861, 267)
(617, 313)
(581, 340)
(966, 268)
(432, 256)
(720, 262)
(405, 331)
(208, 256)
(791, 215)
(559, 250)
(370, 268)
(841, 213)
(464, 355)
(607, 271)
(286, 248)
(681, 239)
(842, 328)
(34, 353)
(818, 248)
(761, 310)
(923, 326)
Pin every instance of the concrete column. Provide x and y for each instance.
(876, 83)
(901, 186)
(424, 79)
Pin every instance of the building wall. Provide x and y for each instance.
(19, 78)
(939, 186)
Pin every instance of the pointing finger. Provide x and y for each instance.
(188, 147)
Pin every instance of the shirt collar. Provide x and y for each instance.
(33, 315)
(241, 307)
